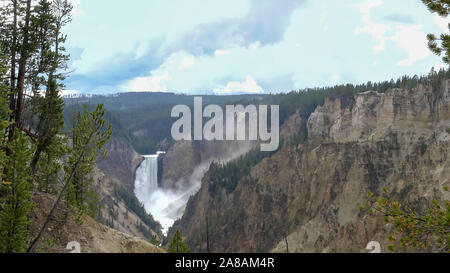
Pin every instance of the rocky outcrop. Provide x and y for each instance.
(309, 195)
(373, 115)
(121, 163)
(178, 162)
(291, 127)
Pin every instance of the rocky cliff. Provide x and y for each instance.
(308, 195)
(121, 163)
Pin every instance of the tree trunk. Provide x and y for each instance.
(287, 244)
(12, 101)
(24, 55)
(207, 235)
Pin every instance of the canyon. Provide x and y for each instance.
(306, 197)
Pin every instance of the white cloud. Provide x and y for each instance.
(249, 86)
(221, 52)
(154, 83)
(409, 38)
(159, 78)
(366, 6)
(377, 31)
(414, 41)
(186, 63)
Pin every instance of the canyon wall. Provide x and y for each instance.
(309, 195)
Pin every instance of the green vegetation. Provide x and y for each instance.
(89, 128)
(34, 152)
(177, 245)
(15, 197)
(413, 228)
(155, 241)
(15, 192)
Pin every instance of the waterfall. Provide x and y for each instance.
(147, 179)
(155, 200)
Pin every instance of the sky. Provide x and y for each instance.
(245, 46)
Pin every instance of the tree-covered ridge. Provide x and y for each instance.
(143, 120)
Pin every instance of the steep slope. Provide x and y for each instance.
(309, 194)
(92, 236)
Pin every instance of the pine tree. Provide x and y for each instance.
(79, 194)
(15, 195)
(423, 229)
(177, 245)
(16, 204)
(155, 241)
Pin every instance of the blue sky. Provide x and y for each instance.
(253, 46)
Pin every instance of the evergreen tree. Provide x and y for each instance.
(16, 204)
(413, 228)
(86, 126)
(15, 195)
(155, 241)
(177, 245)
(51, 145)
